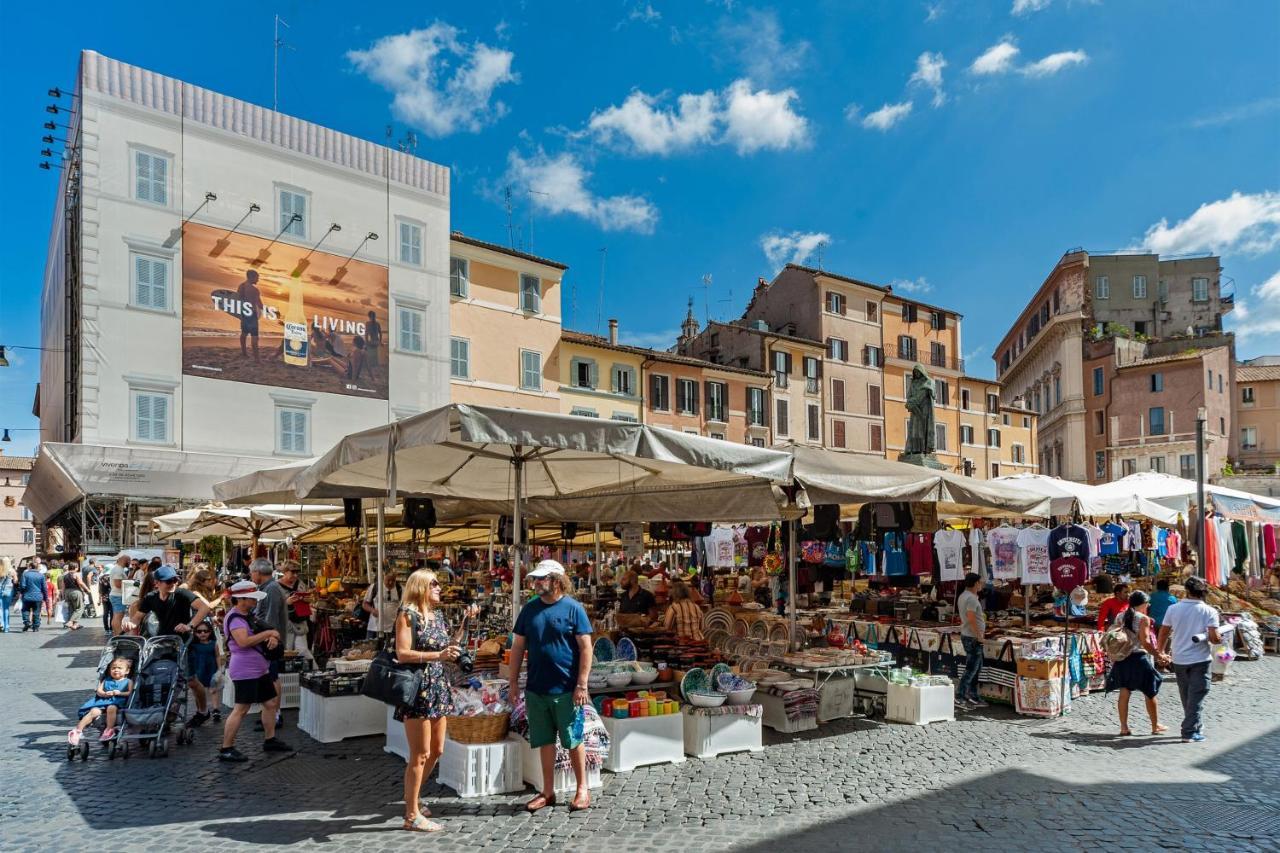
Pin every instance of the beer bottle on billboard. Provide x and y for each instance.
(296, 340)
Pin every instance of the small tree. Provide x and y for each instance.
(212, 549)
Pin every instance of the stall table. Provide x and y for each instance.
(637, 741)
(709, 732)
(329, 719)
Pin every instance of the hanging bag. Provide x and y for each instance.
(390, 681)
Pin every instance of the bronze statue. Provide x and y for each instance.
(921, 436)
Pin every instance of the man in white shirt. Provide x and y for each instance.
(390, 602)
(1193, 625)
(115, 598)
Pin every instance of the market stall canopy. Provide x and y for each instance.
(1067, 496)
(66, 473)
(1179, 494)
(270, 522)
(268, 486)
(835, 477)
(586, 469)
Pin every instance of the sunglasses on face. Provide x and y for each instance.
(435, 584)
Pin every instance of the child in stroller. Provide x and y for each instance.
(111, 695)
(158, 705)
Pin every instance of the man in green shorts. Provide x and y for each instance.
(556, 632)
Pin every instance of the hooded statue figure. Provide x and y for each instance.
(921, 436)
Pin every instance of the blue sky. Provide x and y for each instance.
(953, 148)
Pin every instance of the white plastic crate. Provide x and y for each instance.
(290, 692)
(481, 769)
(333, 718)
(637, 741)
(563, 782)
(920, 705)
(397, 741)
(707, 736)
(775, 715)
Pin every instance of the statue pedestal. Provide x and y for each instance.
(924, 460)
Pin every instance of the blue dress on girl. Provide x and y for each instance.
(104, 701)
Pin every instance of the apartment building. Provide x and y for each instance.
(600, 378)
(17, 527)
(917, 333)
(842, 390)
(1148, 307)
(504, 326)
(791, 365)
(213, 256)
(995, 439)
(1256, 412)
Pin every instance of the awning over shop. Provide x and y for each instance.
(1179, 495)
(1068, 496)
(66, 473)
(268, 486)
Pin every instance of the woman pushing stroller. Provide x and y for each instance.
(112, 694)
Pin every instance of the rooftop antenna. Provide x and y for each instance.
(277, 44)
(728, 299)
(511, 234)
(706, 297)
(821, 245)
(604, 256)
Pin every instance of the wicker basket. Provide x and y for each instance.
(490, 728)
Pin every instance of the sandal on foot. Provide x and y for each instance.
(1125, 733)
(420, 824)
(539, 803)
(1159, 730)
(574, 807)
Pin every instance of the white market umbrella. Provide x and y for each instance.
(272, 522)
(267, 486)
(1068, 496)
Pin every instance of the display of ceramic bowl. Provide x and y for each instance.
(706, 700)
(620, 679)
(644, 676)
(626, 650)
(603, 650)
(741, 697)
(717, 671)
(695, 680)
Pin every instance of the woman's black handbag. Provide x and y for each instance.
(390, 681)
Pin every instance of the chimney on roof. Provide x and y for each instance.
(613, 332)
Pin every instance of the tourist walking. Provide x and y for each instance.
(176, 611)
(249, 672)
(8, 587)
(270, 612)
(555, 631)
(74, 591)
(1136, 671)
(115, 598)
(33, 591)
(1192, 626)
(422, 638)
(973, 629)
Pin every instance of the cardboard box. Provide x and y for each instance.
(1047, 670)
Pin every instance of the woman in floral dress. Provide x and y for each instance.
(422, 637)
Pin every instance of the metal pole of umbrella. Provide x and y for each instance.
(517, 537)
(1201, 566)
(791, 585)
(382, 556)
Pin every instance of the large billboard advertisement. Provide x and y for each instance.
(281, 315)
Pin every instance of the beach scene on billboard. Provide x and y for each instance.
(281, 315)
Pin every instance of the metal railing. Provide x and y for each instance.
(924, 357)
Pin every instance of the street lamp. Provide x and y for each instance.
(1201, 416)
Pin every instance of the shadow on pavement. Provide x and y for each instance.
(295, 831)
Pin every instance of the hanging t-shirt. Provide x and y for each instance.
(867, 557)
(1033, 547)
(950, 547)
(1113, 536)
(1004, 552)
(1162, 542)
(1133, 541)
(893, 556)
(1095, 547)
(978, 552)
(1068, 556)
(719, 546)
(920, 553)
(757, 538)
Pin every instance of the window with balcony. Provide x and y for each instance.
(781, 368)
(812, 381)
(907, 347)
(937, 354)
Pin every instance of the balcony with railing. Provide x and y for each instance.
(927, 358)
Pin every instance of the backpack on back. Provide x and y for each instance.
(1117, 643)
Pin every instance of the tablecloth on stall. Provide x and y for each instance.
(797, 703)
(754, 711)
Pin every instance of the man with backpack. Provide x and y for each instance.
(1191, 628)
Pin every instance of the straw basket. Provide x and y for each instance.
(489, 728)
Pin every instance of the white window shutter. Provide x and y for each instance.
(142, 416)
(160, 418)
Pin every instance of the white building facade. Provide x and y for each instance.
(168, 183)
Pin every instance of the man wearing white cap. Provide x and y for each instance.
(556, 632)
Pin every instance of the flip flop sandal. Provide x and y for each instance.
(1125, 733)
(532, 806)
(574, 807)
(421, 824)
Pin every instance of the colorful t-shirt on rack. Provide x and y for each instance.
(978, 552)
(1033, 546)
(920, 553)
(1113, 536)
(1004, 552)
(1095, 547)
(1162, 543)
(950, 547)
(1068, 556)
(757, 544)
(893, 555)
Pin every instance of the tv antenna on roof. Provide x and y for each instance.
(277, 44)
(511, 234)
(706, 297)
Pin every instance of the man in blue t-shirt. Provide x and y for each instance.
(556, 632)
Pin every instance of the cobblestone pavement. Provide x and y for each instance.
(990, 781)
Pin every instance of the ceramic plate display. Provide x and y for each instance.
(716, 638)
(626, 650)
(759, 629)
(706, 700)
(740, 627)
(695, 681)
(719, 670)
(778, 632)
(603, 650)
(717, 618)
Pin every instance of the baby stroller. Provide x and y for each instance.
(158, 704)
(124, 646)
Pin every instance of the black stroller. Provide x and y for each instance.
(158, 705)
(124, 646)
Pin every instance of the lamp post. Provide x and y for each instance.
(1201, 417)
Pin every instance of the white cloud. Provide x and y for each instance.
(1239, 113)
(1026, 7)
(882, 119)
(1055, 62)
(1260, 315)
(763, 119)
(645, 14)
(652, 129)
(559, 185)
(746, 118)
(914, 286)
(795, 248)
(997, 59)
(928, 73)
(933, 11)
(1246, 223)
(761, 50)
(415, 66)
